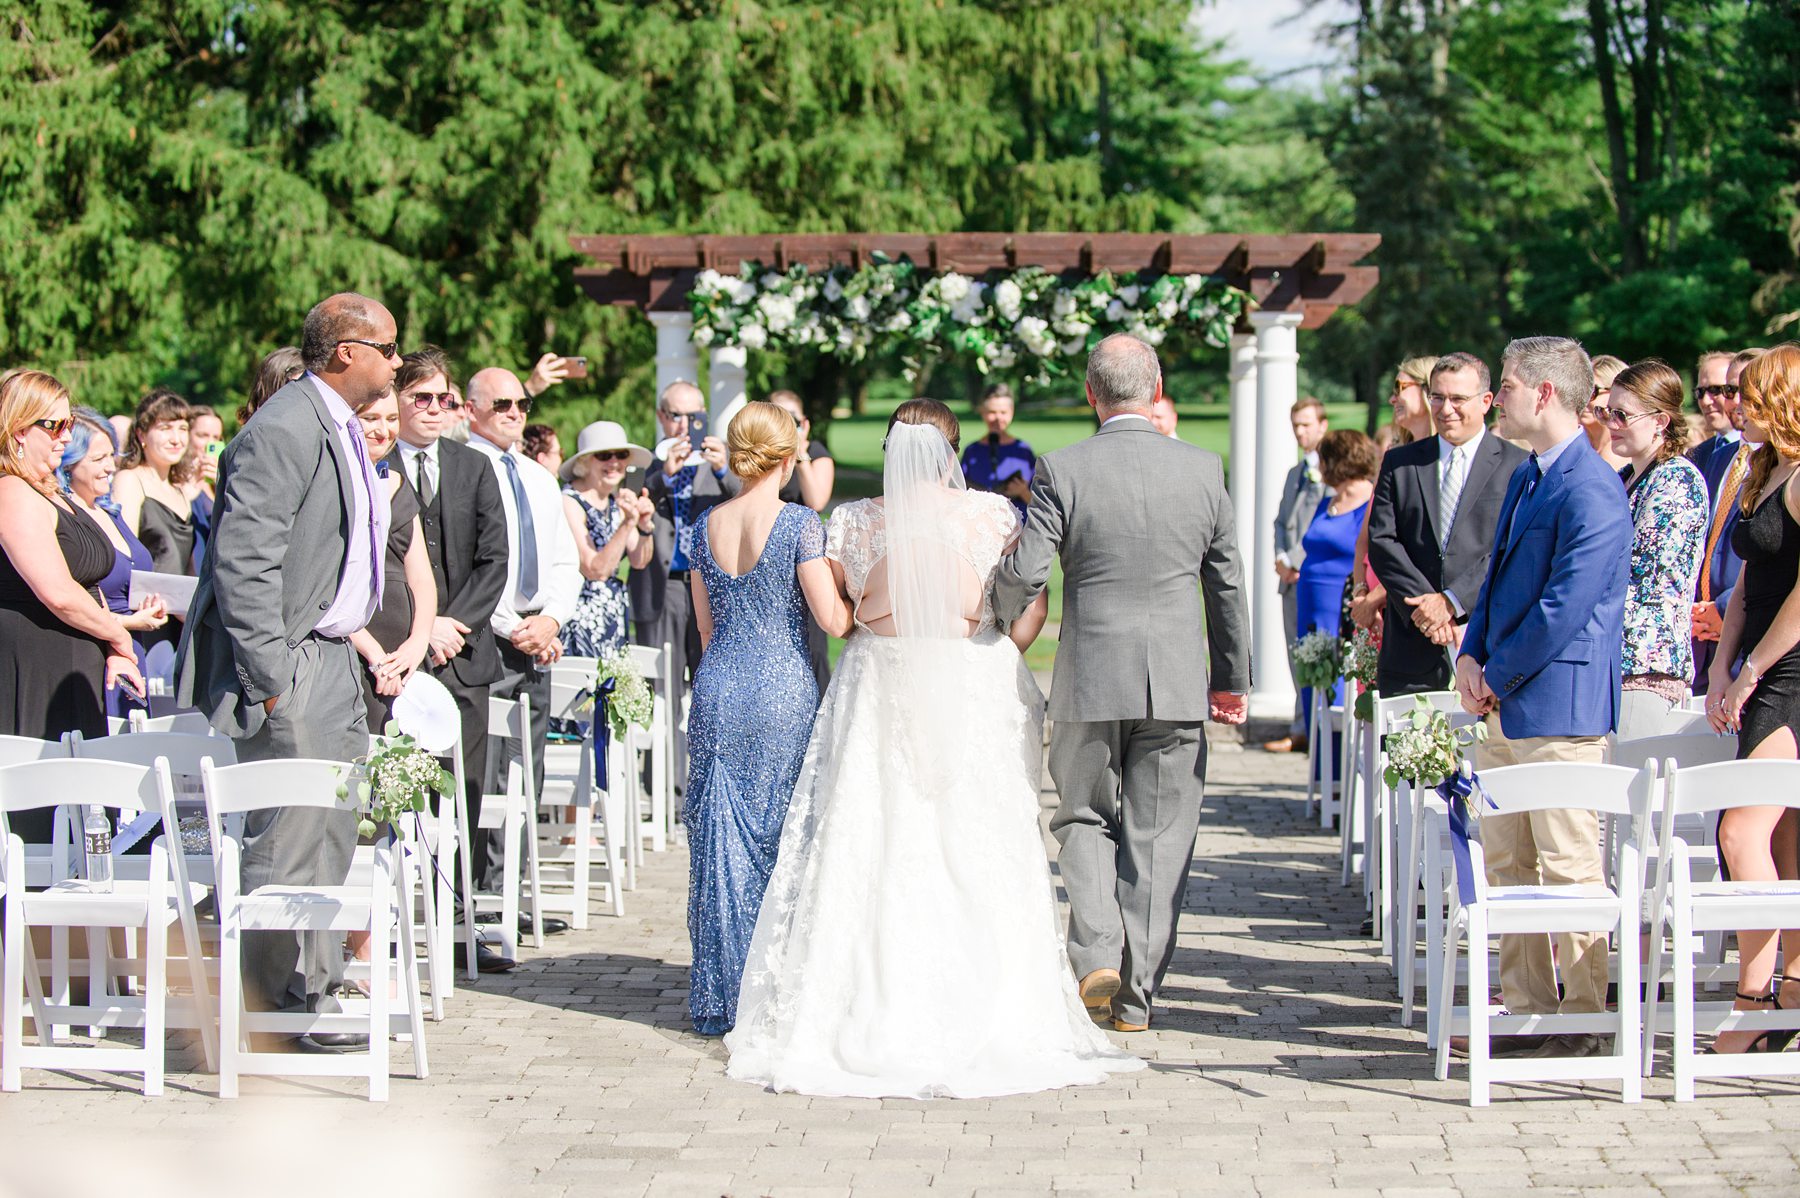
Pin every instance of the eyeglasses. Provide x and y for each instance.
(672, 416)
(55, 428)
(612, 455)
(422, 400)
(506, 405)
(1455, 401)
(1717, 391)
(387, 349)
(1617, 418)
(1402, 385)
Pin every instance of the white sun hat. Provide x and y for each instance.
(598, 437)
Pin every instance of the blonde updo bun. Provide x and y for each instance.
(760, 438)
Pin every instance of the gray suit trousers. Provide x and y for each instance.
(1131, 792)
(321, 714)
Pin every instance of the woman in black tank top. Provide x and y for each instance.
(1762, 702)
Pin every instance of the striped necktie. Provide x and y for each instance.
(1729, 486)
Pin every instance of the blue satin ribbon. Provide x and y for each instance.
(602, 729)
(1457, 793)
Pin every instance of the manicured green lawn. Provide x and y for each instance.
(856, 444)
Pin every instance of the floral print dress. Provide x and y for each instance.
(1669, 512)
(597, 629)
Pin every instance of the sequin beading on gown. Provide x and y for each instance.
(752, 713)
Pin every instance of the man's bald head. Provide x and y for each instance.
(1123, 375)
(338, 342)
(503, 424)
(680, 395)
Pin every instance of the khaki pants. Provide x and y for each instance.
(1548, 848)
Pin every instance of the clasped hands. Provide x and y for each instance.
(1435, 617)
(1472, 687)
(536, 635)
(1708, 621)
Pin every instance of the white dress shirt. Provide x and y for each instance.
(409, 462)
(1124, 416)
(559, 565)
(1465, 451)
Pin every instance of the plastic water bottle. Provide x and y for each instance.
(96, 835)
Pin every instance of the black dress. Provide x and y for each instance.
(392, 622)
(51, 676)
(1768, 540)
(169, 536)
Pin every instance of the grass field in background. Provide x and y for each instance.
(855, 443)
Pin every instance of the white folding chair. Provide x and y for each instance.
(189, 722)
(657, 742)
(567, 869)
(1387, 831)
(1683, 908)
(1323, 765)
(15, 750)
(374, 906)
(182, 756)
(514, 814)
(1546, 910)
(148, 907)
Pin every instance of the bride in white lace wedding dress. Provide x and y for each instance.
(908, 944)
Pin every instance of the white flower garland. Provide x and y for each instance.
(1028, 320)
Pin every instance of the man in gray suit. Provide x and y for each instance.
(292, 569)
(1301, 492)
(1143, 526)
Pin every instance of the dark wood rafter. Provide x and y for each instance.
(1314, 274)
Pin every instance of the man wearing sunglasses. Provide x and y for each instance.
(1725, 469)
(293, 568)
(682, 483)
(543, 577)
(1716, 397)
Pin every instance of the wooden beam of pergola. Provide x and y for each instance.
(1311, 273)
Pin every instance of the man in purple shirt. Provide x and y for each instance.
(292, 568)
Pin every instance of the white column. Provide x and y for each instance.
(725, 385)
(1277, 390)
(1243, 451)
(677, 357)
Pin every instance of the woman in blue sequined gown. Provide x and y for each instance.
(758, 565)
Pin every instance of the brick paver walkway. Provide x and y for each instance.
(1279, 1068)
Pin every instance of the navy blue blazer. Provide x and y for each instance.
(1713, 457)
(1550, 620)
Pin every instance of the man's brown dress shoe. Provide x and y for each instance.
(1284, 745)
(1120, 1025)
(1097, 990)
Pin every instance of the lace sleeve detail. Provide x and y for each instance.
(810, 543)
(993, 531)
(850, 542)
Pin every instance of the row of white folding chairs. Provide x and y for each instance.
(1649, 808)
(165, 897)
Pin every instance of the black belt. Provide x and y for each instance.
(679, 575)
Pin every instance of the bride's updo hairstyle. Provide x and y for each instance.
(760, 438)
(933, 413)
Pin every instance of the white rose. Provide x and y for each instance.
(1074, 345)
(858, 308)
(1167, 309)
(1115, 311)
(752, 336)
(1099, 299)
(742, 291)
(770, 279)
(833, 292)
(1007, 298)
(1064, 304)
(1005, 356)
(953, 287)
(898, 322)
(707, 281)
(1130, 293)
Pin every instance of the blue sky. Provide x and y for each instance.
(1272, 35)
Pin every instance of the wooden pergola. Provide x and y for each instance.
(1297, 281)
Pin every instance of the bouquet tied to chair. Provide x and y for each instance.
(1429, 752)
(1316, 662)
(396, 776)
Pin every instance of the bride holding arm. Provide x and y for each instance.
(908, 944)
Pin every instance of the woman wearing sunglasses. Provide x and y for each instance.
(611, 525)
(59, 646)
(1642, 416)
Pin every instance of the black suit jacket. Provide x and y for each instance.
(470, 554)
(1403, 549)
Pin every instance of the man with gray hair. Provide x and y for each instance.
(293, 568)
(1540, 661)
(1144, 529)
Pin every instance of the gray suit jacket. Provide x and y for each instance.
(1144, 528)
(281, 526)
(1299, 503)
